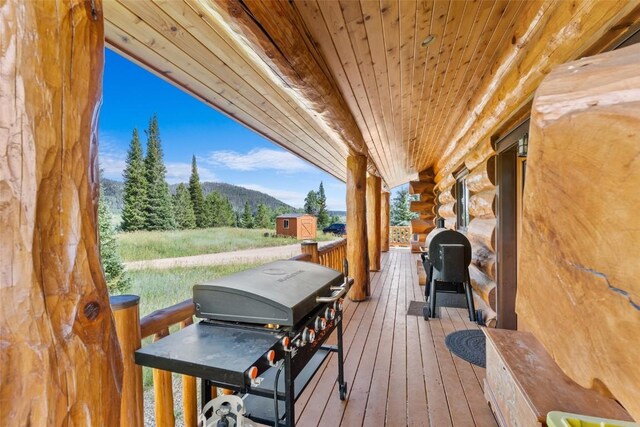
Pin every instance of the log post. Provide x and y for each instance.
(384, 221)
(189, 392)
(163, 391)
(126, 313)
(310, 247)
(357, 247)
(60, 362)
(374, 194)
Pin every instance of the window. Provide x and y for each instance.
(462, 199)
(286, 224)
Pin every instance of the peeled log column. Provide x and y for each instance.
(483, 176)
(384, 221)
(374, 190)
(60, 362)
(357, 243)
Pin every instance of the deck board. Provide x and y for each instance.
(398, 368)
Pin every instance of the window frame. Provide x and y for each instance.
(462, 199)
(285, 224)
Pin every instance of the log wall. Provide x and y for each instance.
(578, 288)
(482, 225)
(424, 207)
(60, 362)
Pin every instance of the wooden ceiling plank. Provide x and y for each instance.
(190, 12)
(373, 27)
(499, 37)
(478, 31)
(418, 104)
(390, 11)
(341, 42)
(441, 28)
(455, 19)
(408, 31)
(354, 20)
(176, 33)
(137, 31)
(544, 38)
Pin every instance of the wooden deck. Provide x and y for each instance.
(398, 369)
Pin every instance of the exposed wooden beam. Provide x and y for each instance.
(357, 241)
(60, 360)
(273, 32)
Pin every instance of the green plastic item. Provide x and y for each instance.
(565, 419)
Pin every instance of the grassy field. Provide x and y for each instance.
(145, 245)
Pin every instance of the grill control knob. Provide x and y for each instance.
(271, 357)
(285, 343)
(308, 335)
(330, 313)
(337, 306)
(320, 324)
(253, 373)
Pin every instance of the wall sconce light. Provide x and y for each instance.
(523, 145)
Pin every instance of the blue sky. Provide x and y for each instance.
(225, 150)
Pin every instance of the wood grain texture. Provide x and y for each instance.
(59, 341)
(581, 225)
(385, 218)
(357, 241)
(163, 392)
(374, 192)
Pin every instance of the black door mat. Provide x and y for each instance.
(415, 308)
(469, 345)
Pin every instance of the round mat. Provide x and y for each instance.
(469, 345)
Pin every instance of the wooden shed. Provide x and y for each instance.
(300, 226)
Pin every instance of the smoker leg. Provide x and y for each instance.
(290, 419)
(432, 298)
(470, 305)
(341, 384)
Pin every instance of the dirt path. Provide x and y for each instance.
(235, 257)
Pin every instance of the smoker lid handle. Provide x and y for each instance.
(335, 297)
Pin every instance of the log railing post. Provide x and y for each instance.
(163, 391)
(189, 390)
(357, 246)
(384, 221)
(126, 314)
(374, 190)
(311, 247)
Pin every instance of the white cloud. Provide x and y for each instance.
(180, 172)
(260, 158)
(293, 198)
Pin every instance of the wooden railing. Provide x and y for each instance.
(131, 330)
(400, 236)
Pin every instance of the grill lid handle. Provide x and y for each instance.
(342, 290)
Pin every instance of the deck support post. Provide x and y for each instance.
(126, 313)
(385, 218)
(310, 247)
(61, 361)
(357, 245)
(374, 194)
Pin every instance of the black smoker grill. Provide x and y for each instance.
(255, 324)
(446, 264)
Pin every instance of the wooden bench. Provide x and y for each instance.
(523, 383)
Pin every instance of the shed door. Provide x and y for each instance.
(307, 226)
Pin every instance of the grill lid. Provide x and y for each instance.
(281, 292)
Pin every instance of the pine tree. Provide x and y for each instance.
(401, 214)
(197, 198)
(117, 280)
(323, 215)
(213, 209)
(134, 193)
(334, 219)
(263, 216)
(227, 215)
(311, 203)
(247, 216)
(158, 207)
(183, 209)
